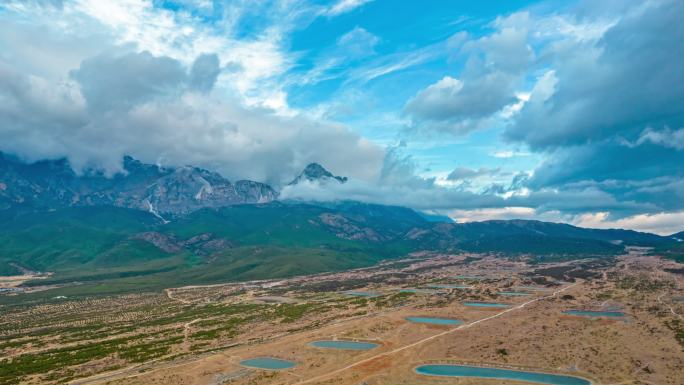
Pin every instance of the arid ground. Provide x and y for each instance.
(200, 334)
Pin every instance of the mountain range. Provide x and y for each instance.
(153, 227)
(51, 184)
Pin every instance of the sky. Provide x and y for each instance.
(567, 111)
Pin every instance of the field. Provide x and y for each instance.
(199, 334)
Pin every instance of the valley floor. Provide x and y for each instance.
(200, 334)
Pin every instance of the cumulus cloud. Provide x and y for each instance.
(615, 85)
(205, 70)
(461, 173)
(424, 197)
(132, 79)
(659, 223)
(503, 213)
(506, 154)
(113, 82)
(594, 93)
(604, 108)
(357, 43)
(494, 69)
(145, 106)
(666, 137)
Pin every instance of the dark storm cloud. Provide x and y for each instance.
(462, 173)
(631, 79)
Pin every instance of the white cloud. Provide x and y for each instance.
(485, 214)
(488, 86)
(505, 154)
(158, 109)
(464, 173)
(344, 6)
(257, 61)
(394, 62)
(666, 137)
(659, 223)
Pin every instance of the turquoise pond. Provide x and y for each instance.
(588, 313)
(426, 291)
(513, 293)
(434, 321)
(449, 286)
(533, 288)
(362, 294)
(485, 304)
(268, 363)
(344, 345)
(503, 374)
(469, 277)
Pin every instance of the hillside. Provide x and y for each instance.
(112, 249)
(154, 227)
(163, 191)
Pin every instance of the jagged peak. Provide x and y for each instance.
(316, 172)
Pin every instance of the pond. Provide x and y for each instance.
(412, 290)
(533, 288)
(513, 293)
(361, 293)
(502, 374)
(343, 345)
(443, 286)
(589, 313)
(434, 321)
(486, 304)
(268, 363)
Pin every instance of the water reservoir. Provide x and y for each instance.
(268, 363)
(513, 293)
(502, 374)
(449, 286)
(589, 313)
(343, 345)
(486, 304)
(362, 293)
(434, 321)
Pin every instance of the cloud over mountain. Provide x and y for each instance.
(566, 112)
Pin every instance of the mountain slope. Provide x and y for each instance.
(679, 235)
(155, 227)
(162, 191)
(84, 240)
(496, 228)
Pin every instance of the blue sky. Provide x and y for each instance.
(569, 111)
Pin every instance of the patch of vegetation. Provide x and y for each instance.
(13, 369)
(642, 283)
(677, 326)
(671, 250)
(392, 300)
(292, 312)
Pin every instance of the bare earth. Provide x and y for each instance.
(209, 330)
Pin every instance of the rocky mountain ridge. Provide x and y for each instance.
(314, 172)
(51, 184)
